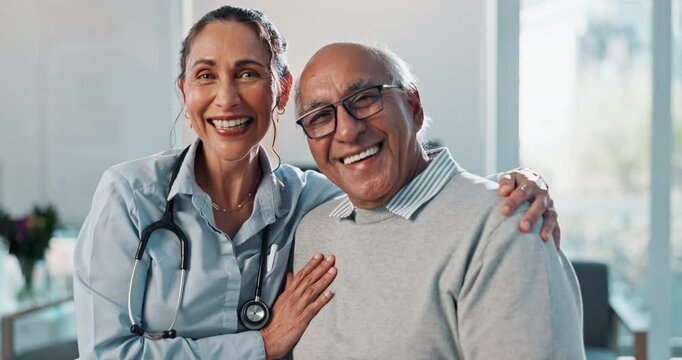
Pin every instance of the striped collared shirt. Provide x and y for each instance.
(417, 192)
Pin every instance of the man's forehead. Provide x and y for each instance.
(323, 93)
(323, 88)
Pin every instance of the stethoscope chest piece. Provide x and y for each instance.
(254, 314)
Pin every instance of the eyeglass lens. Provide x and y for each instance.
(360, 105)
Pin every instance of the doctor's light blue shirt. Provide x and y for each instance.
(222, 271)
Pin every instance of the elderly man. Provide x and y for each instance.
(427, 266)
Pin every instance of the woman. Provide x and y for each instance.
(224, 196)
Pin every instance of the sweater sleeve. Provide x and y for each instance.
(520, 299)
(495, 177)
(103, 263)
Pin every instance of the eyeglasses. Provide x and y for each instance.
(360, 105)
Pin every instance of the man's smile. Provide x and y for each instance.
(370, 151)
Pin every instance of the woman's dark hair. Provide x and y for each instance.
(266, 31)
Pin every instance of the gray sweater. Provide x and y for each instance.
(456, 281)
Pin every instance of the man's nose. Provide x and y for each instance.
(348, 128)
(227, 95)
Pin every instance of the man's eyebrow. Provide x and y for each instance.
(357, 85)
(312, 105)
(349, 89)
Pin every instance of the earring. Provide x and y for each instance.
(186, 115)
(280, 110)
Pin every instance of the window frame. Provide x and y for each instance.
(506, 39)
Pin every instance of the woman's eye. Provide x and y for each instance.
(249, 75)
(205, 76)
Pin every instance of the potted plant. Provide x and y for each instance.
(28, 238)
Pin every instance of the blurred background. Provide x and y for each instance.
(576, 89)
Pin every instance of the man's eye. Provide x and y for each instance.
(366, 99)
(320, 118)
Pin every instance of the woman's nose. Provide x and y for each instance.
(227, 95)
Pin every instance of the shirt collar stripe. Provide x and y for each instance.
(435, 182)
(432, 191)
(344, 209)
(406, 195)
(417, 189)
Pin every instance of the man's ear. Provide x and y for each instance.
(284, 91)
(415, 103)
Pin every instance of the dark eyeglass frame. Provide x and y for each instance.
(346, 105)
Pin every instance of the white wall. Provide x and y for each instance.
(85, 84)
(444, 41)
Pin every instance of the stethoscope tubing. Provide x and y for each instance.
(159, 335)
(166, 223)
(261, 264)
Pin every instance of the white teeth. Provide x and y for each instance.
(365, 154)
(226, 124)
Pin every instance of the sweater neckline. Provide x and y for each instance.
(371, 216)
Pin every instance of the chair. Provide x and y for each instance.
(603, 312)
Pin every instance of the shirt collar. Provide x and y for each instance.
(185, 181)
(268, 195)
(417, 192)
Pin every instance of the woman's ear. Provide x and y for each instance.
(181, 86)
(284, 91)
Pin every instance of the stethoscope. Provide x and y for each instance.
(254, 314)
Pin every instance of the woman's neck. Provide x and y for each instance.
(227, 182)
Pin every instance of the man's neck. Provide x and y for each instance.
(419, 166)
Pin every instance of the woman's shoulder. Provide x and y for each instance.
(309, 186)
(305, 179)
(142, 172)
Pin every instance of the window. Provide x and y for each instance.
(585, 119)
(676, 191)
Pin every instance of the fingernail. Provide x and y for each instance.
(506, 209)
(331, 270)
(317, 256)
(328, 293)
(330, 258)
(525, 226)
(505, 188)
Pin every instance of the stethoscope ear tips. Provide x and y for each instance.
(167, 334)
